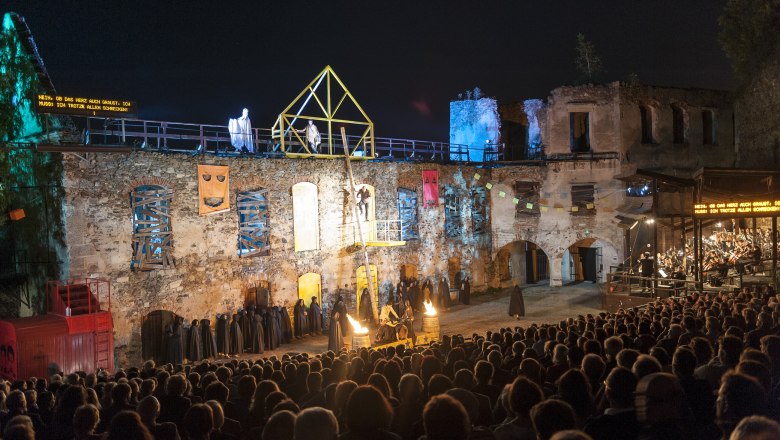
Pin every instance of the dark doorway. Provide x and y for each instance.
(589, 260)
(153, 334)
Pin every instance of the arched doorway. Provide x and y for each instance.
(408, 272)
(258, 294)
(362, 283)
(153, 334)
(310, 284)
(522, 262)
(587, 260)
(454, 275)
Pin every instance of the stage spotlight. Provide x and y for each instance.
(719, 224)
(649, 221)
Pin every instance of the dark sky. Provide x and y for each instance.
(199, 61)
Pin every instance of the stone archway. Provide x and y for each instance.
(521, 262)
(153, 334)
(588, 260)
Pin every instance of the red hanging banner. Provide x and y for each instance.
(430, 188)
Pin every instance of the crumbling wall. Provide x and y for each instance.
(209, 277)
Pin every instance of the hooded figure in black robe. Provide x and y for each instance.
(427, 292)
(341, 309)
(223, 334)
(464, 295)
(251, 332)
(284, 321)
(516, 303)
(315, 317)
(415, 296)
(194, 345)
(207, 339)
(174, 336)
(270, 325)
(444, 294)
(300, 319)
(236, 337)
(246, 328)
(365, 306)
(277, 321)
(335, 337)
(258, 334)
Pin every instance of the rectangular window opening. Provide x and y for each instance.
(579, 132)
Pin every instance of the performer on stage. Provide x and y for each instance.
(223, 334)
(236, 337)
(313, 138)
(465, 291)
(300, 319)
(194, 345)
(175, 348)
(445, 301)
(517, 303)
(207, 338)
(341, 308)
(365, 306)
(386, 323)
(271, 325)
(415, 296)
(257, 334)
(241, 133)
(315, 317)
(407, 318)
(286, 325)
(335, 336)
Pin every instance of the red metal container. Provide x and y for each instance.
(74, 337)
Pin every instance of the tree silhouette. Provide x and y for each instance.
(588, 62)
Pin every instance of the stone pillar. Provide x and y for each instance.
(556, 279)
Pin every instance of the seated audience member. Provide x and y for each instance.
(149, 411)
(551, 416)
(756, 428)
(368, 415)
(661, 408)
(739, 396)
(523, 395)
(126, 425)
(280, 426)
(316, 424)
(619, 420)
(444, 418)
(85, 421)
(198, 422)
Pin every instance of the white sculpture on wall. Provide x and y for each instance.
(241, 133)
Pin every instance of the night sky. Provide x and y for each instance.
(201, 62)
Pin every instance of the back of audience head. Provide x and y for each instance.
(367, 410)
(280, 426)
(316, 424)
(126, 425)
(444, 418)
(551, 416)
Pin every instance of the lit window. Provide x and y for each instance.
(306, 225)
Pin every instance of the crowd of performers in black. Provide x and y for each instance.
(256, 329)
(252, 331)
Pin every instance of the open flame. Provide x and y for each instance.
(429, 309)
(356, 327)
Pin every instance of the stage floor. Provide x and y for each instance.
(543, 304)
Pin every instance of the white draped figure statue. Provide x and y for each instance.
(241, 132)
(312, 136)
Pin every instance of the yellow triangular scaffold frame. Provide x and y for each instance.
(287, 138)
